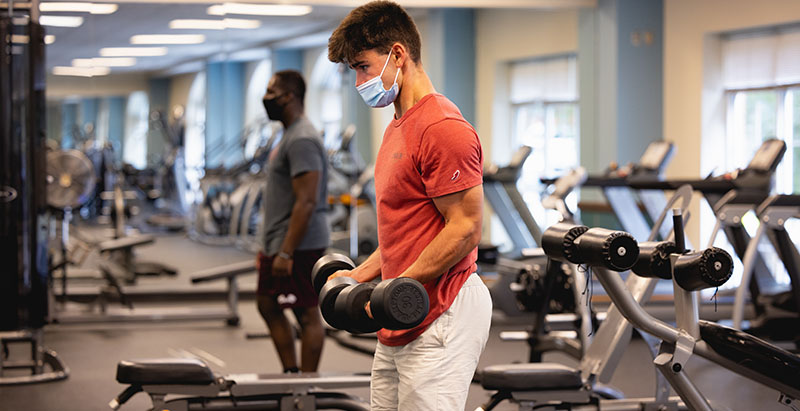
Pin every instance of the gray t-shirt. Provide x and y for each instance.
(299, 151)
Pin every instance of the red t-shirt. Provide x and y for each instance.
(429, 152)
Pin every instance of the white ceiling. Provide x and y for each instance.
(115, 30)
(153, 16)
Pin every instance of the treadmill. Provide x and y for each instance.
(500, 190)
(777, 315)
(733, 195)
(624, 201)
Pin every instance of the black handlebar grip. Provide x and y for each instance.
(709, 268)
(558, 242)
(615, 250)
(653, 261)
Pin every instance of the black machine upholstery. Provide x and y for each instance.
(753, 353)
(530, 377)
(180, 371)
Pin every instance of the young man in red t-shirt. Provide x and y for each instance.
(428, 183)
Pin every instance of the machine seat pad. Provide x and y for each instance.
(178, 371)
(753, 353)
(530, 377)
(125, 242)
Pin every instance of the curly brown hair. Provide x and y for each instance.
(375, 25)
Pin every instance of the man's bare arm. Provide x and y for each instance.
(367, 271)
(463, 217)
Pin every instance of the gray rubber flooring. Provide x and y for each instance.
(92, 351)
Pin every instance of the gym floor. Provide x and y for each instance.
(92, 351)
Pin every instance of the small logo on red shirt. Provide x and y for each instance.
(455, 175)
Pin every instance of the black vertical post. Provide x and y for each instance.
(677, 225)
(23, 205)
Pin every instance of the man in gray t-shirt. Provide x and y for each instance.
(295, 225)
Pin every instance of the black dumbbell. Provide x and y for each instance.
(350, 305)
(396, 304)
(399, 304)
(329, 290)
(326, 266)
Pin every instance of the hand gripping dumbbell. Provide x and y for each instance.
(396, 304)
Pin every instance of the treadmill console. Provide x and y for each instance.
(657, 156)
(519, 156)
(509, 173)
(768, 156)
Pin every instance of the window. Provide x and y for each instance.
(195, 136)
(136, 125)
(256, 122)
(761, 78)
(544, 101)
(324, 98)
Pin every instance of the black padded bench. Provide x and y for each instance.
(125, 243)
(164, 371)
(534, 384)
(226, 271)
(530, 377)
(194, 381)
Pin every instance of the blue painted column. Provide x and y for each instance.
(158, 99)
(69, 119)
(450, 36)
(355, 111)
(88, 112)
(116, 124)
(225, 82)
(287, 59)
(54, 122)
(640, 97)
(620, 60)
(459, 60)
(620, 55)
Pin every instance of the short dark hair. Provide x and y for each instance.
(291, 81)
(375, 25)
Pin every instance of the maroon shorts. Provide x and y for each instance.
(292, 291)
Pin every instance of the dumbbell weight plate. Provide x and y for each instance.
(327, 301)
(326, 266)
(350, 306)
(399, 304)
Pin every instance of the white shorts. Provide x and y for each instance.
(434, 371)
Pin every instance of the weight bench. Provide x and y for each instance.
(197, 387)
(534, 382)
(123, 247)
(114, 290)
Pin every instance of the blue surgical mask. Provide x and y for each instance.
(372, 90)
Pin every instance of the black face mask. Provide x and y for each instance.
(274, 110)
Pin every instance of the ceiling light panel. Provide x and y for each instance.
(199, 24)
(241, 23)
(212, 24)
(133, 51)
(259, 9)
(105, 62)
(168, 39)
(80, 71)
(78, 7)
(61, 21)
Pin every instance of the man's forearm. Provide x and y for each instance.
(369, 269)
(454, 242)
